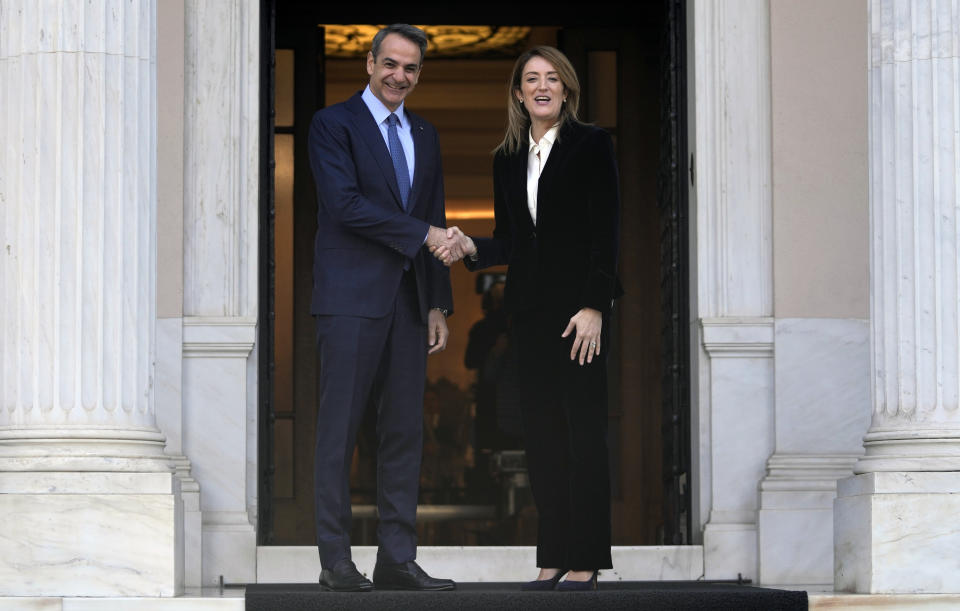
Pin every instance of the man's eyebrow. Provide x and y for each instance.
(387, 58)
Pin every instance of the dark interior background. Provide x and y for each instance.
(473, 495)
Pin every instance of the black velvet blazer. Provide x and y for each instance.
(568, 260)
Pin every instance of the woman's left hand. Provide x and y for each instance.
(587, 323)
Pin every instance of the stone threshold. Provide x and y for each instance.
(301, 564)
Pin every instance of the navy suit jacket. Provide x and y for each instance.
(364, 236)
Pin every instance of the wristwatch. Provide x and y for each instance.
(443, 311)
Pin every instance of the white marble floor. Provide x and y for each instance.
(207, 599)
(232, 599)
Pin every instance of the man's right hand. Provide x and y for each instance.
(449, 245)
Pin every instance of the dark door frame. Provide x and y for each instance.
(265, 277)
(672, 198)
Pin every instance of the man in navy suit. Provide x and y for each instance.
(380, 301)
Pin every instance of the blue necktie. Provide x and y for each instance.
(399, 158)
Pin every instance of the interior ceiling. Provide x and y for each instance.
(352, 41)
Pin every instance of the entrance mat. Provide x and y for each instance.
(612, 595)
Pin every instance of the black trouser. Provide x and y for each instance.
(565, 436)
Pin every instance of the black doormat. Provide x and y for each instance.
(672, 595)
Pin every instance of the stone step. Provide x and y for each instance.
(301, 564)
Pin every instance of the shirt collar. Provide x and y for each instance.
(379, 111)
(548, 138)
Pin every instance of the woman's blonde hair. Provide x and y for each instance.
(518, 119)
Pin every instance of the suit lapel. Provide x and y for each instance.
(518, 170)
(370, 133)
(556, 163)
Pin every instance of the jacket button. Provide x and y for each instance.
(533, 235)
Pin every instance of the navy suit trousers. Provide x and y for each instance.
(363, 361)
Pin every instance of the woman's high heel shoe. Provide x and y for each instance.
(570, 586)
(544, 584)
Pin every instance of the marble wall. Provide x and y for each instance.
(822, 402)
(821, 296)
(818, 100)
(169, 356)
(220, 210)
(780, 393)
(731, 250)
(739, 371)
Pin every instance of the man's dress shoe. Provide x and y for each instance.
(407, 576)
(344, 577)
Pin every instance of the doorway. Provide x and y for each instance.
(473, 488)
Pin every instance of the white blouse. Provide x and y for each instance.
(537, 158)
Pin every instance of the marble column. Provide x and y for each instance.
(896, 519)
(733, 324)
(89, 503)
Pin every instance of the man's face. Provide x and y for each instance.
(394, 73)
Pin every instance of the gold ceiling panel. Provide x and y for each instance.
(352, 41)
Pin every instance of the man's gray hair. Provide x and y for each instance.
(411, 33)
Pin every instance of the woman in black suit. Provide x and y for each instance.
(556, 200)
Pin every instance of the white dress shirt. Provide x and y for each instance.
(537, 158)
(380, 114)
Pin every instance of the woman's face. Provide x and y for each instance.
(541, 90)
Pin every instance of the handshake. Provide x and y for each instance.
(449, 245)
